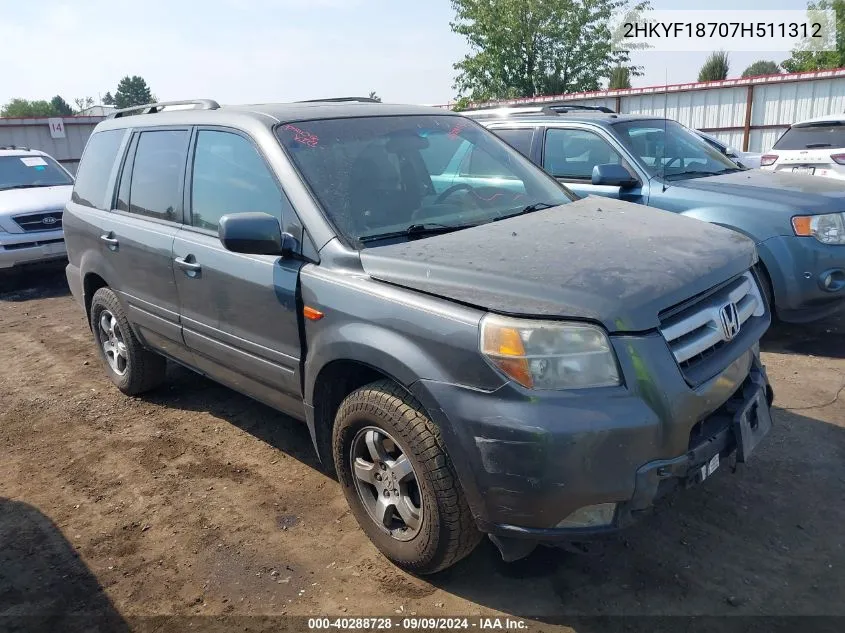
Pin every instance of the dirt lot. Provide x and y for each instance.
(196, 500)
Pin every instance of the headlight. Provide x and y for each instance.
(549, 354)
(828, 229)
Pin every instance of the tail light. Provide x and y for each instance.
(839, 159)
(768, 159)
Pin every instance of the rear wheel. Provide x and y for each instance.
(131, 367)
(398, 480)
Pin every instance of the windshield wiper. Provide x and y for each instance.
(415, 230)
(531, 208)
(701, 173)
(25, 187)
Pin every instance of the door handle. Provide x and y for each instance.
(191, 268)
(110, 240)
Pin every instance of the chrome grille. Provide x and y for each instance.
(47, 221)
(702, 329)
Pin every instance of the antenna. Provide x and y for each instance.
(665, 113)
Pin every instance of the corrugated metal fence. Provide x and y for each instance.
(749, 114)
(64, 141)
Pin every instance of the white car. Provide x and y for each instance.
(34, 189)
(751, 160)
(815, 147)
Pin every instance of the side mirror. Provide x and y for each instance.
(614, 175)
(255, 234)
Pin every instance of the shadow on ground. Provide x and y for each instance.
(765, 540)
(821, 338)
(40, 281)
(44, 586)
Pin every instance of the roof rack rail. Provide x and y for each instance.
(152, 108)
(342, 100)
(509, 111)
(25, 149)
(564, 108)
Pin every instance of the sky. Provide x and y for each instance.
(251, 51)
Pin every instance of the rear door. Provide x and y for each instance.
(136, 238)
(239, 312)
(569, 154)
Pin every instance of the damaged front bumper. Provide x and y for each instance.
(529, 462)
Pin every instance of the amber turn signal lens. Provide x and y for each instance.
(312, 314)
(504, 348)
(802, 225)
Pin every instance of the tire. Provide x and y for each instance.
(133, 369)
(445, 531)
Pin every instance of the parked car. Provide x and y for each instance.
(34, 189)
(751, 160)
(815, 147)
(797, 222)
(490, 355)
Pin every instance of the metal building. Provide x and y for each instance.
(63, 138)
(749, 114)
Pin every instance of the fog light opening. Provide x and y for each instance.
(832, 280)
(598, 515)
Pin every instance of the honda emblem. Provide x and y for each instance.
(730, 321)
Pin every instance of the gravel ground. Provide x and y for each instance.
(195, 500)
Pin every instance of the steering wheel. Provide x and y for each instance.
(461, 186)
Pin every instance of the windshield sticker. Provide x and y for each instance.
(300, 136)
(40, 167)
(459, 127)
(33, 161)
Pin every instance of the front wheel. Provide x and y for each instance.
(398, 480)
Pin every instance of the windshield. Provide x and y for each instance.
(23, 172)
(813, 135)
(375, 176)
(669, 150)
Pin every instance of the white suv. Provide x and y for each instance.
(814, 147)
(34, 189)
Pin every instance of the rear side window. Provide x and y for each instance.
(520, 139)
(155, 188)
(813, 136)
(230, 176)
(92, 177)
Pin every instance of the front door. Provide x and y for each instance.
(570, 154)
(239, 312)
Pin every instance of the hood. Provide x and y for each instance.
(808, 193)
(34, 200)
(599, 259)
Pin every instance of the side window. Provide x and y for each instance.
(480, 164)
(519, 138)
(92, 177)
(229, 176)
(574, 153)
(155, 189)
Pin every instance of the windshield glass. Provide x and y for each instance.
(22, 172)
(375, 176)
(668, 149)
(827, 134)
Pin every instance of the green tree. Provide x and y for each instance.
(26, 108)
(761, 67)
(807, 60)
(523, 48)
(132, 91)
(716, 67)
(60, 106)
(620, 77)
(373, 95)
(108, 99)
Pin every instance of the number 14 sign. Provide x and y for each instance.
(57, 128)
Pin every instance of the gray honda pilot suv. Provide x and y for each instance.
(489, 356)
